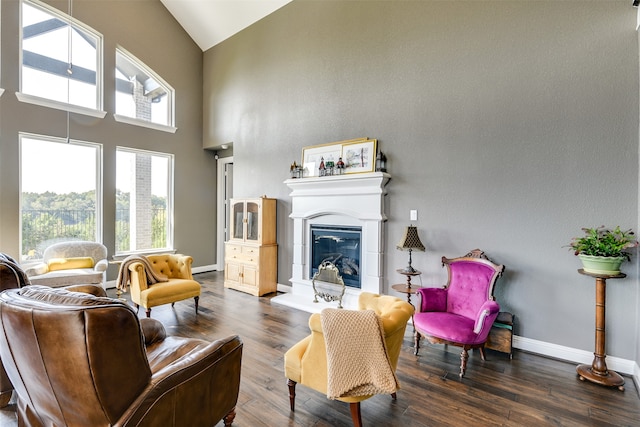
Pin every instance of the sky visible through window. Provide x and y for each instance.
(42, 173)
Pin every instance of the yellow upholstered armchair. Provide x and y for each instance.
(311, 361)
(161, 279)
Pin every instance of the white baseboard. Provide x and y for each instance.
(575, 355)
(284, 288)
(205, 268)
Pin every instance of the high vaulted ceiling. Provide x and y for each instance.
(209, 22)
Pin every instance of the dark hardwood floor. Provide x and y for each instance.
(529, 390)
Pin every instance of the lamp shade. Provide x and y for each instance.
(410, 240)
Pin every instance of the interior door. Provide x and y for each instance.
(225, 193)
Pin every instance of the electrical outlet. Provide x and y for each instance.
(413, 215)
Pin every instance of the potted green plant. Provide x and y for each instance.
(603, 250)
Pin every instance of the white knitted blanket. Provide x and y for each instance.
(357, 359)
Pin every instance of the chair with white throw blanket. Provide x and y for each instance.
(351, 355)
(158, 279)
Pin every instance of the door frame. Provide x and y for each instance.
(223, 204)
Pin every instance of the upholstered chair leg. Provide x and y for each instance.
(416, 347)
(172, 304)
(292, 393)
(464, 356)
(148, 312)
(394, 396)
(196, 299)
(482, 355)
(356, 415)
(228, 419)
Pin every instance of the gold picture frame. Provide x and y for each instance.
(359, 156)
(331, 151)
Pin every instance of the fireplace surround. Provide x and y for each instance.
(349, 202)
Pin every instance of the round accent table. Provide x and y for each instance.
(403, 289)
(597, 372)
(406, 288)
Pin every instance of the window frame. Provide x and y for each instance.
(65, 106)
(171, 114)
(170, 204)
(1, 89)
(98, 178)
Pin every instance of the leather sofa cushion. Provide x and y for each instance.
(56, 264)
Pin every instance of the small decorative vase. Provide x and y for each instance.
(601, 264)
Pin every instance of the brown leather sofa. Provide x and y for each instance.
(81, 360)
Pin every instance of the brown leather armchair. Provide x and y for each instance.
(11, 277)
(81, 360)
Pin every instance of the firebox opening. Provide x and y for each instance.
(339, 245)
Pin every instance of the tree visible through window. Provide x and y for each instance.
(143, 200)
(60, 192)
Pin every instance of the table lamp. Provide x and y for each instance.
(410, 242)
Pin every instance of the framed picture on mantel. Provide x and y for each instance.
(359, 156)
(311, 156)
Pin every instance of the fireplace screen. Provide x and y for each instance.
(340, 245)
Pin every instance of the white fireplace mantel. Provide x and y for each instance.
(349, 200)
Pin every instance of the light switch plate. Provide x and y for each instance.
(413, 215)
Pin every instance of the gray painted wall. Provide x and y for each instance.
(147, 30)
(508, 125)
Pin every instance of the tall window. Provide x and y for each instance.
(60, 189)
(144, 201)
(61, 58)
(140, 93)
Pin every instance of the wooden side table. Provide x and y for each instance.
(597, 372)
(402, 288)
(406, 288)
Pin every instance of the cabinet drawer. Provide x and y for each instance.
(240, 253)
(231, 250)
(251, 254)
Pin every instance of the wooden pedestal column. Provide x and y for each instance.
(597, 372)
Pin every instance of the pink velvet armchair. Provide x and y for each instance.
(463, 311)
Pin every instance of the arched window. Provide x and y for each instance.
(61, 64)
(142, 97)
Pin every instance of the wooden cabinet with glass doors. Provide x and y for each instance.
(251, 253)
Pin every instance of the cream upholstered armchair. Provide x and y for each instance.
(315, 360)
(70, 263)
(161, 279)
